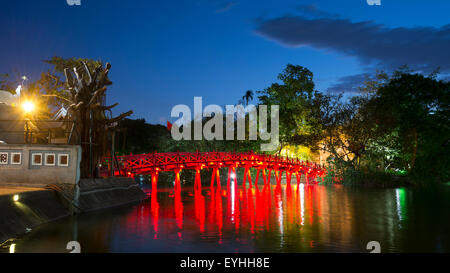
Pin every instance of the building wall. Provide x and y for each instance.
(11, 125)
(20, 164)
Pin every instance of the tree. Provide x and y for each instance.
(53, 83)
(248, 96)
(140, 137)
(79, 85)
(4, 82)
(417, 108)
(342, 128)
(88, 111)
(294, 96)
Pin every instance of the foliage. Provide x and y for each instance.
(139, 137)
(5, 85)
(416, 108)
(294, 95)
(398, 124)
(247, 97)
(401, 125)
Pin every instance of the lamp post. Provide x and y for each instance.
(28, 107)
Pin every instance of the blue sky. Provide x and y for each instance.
(164, 53)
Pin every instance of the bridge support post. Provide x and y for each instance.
(278, 177)
(177, 180)
(299, 177)
(268, 176)
(154, 182)
(198, 181)
(213, 177)
(264, 177)
(257, 177)
(229, 178)
(218, 178)
(235, 175)
(245, 176)
(306, 178)
(288, 178)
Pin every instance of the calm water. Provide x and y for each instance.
(268, 219)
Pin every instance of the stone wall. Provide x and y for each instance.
(98, 194)
(32, 209)
(38, 207)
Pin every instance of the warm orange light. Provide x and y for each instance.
(28, 106)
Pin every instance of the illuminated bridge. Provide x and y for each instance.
(153, 163)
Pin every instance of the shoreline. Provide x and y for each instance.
(40, 206)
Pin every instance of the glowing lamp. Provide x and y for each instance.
(16, 197)
(12, 248)
(28, 107)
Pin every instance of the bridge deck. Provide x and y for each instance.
(154, 163)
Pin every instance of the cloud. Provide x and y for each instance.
(421, 48)
(226, 6)
(348, 84)
(313, 10)
(218, 5)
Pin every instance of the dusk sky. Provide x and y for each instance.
(164, 53)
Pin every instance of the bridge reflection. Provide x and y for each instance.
(267, 218)
(303, 217)
(217, 207)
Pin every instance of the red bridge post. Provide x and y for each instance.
(229, 178)
(198, 180)
(177, 179)
(288, 178)
(215, 176)
(154, 181)
(257, 177)
(299, 177)
(264, 177)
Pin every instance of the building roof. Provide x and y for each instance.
(7, 98)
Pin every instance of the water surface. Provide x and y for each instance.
(307, 218)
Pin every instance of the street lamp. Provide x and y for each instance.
(28, 107)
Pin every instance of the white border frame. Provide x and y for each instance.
(7, 158)
(54, 159)
(32, 159)
(12, 158)
(59, 160)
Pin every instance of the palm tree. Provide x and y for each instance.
(248, 96)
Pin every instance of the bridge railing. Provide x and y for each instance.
(190, 160)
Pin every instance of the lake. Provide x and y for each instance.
(304, 218)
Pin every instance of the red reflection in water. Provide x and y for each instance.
(221, 209)
(178, 208)
(200, 208)
(155, 209)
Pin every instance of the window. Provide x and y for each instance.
(63, 160)
(50, 160)
(16, 158)
(36, 159)
(3, 158)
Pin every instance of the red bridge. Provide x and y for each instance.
(153, 163)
